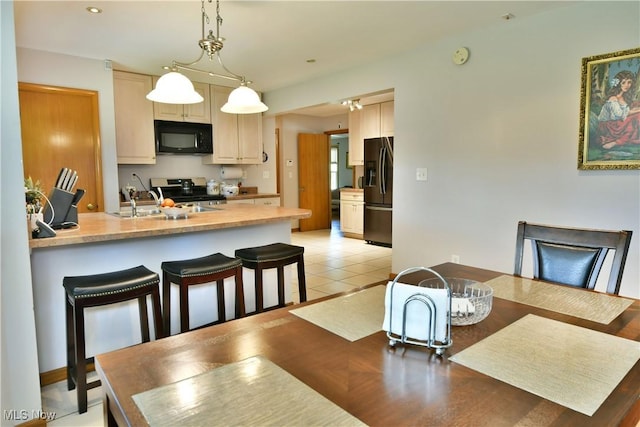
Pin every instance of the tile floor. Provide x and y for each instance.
(333, 264)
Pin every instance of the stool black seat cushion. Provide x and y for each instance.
(196, 271)
(267, 253)
(274, 255)
(109, 283)
(209, 264)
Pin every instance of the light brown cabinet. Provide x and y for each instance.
(194, 113)
(237, 138)
(135, 141)
(386, 118)
(352, 214)
(373, 121)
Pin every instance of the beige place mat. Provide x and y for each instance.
(594, 306)
(252, 392)
(566, 364)
(352, 316)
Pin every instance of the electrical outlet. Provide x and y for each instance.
(265, 174)
(421, 174)
(455, 259)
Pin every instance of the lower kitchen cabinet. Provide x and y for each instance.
(352, 214)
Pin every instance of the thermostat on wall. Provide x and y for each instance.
(460, 56)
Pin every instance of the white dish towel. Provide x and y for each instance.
(417, 327)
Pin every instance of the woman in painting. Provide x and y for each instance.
(619, 119)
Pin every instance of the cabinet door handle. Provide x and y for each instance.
(91, 206)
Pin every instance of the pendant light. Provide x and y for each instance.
(175, 88)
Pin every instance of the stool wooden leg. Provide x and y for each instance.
(302, 283)
(71, 347)
(259, 293)
(281, 286)
(184, 307)
(222, 315)
(144, 318)
(166, 304)
(81, 358)
(239, 294)
(157, 313)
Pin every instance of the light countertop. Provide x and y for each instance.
(100, 226)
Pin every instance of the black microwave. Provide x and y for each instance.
(183, 137)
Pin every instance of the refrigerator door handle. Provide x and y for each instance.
(378, 208)
(381, 170)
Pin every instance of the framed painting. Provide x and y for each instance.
(610, 111)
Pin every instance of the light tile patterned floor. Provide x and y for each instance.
(333, 264)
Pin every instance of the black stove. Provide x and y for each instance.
(185, 190)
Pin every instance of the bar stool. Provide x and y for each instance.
(210, 268)
(275, 255)
(97, 290)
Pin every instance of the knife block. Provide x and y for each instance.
(57, 209)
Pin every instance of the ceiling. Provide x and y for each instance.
(270, 42)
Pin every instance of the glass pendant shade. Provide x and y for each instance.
(244, 100)
(174, 88)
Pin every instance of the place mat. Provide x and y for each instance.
(253, 391)
(594, 306)
(353, 316)
(566, 364)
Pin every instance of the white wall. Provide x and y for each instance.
(19, 373)
(498, 136)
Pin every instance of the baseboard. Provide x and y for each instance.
(33, 423)
(60, 374)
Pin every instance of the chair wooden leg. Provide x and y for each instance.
(280, 286)
(259, 290)
(157, 313)
(144, 318)
(81, 358)
(184, 307)
(71, 348)
(240, 309)
(302, 284)
(166, 304)
(222, 315)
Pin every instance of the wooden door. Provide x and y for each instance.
(60, 128)
(313, 181)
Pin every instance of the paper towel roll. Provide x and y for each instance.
(231, 172)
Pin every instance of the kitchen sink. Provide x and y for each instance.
(153, 212)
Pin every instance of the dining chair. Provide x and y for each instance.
(572, 256)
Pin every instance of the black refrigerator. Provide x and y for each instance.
(378, 190)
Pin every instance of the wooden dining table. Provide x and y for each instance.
(379, 385)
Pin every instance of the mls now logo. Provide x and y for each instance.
(24, 415)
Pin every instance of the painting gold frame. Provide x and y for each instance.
(610, 111)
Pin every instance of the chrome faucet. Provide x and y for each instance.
(155, 197)
(134, 208)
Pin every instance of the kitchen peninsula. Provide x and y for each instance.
(105, 242)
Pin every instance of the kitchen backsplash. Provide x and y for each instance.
(168, 166)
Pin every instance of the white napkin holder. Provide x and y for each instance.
(417, 315)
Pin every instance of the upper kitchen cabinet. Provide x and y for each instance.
(135, 141)
(194, 113)
(372, 121)
(356, 144)
(237, 138)
(386, 118)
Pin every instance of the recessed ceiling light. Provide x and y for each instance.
(93, 9)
